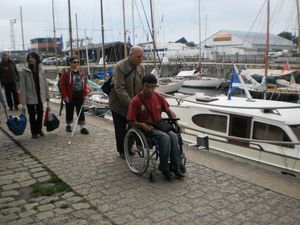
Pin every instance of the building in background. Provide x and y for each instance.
(228, 42)
(46, 46)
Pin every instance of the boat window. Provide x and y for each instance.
(263, 131)
(240, 126)
(212, 122)
(296, 130)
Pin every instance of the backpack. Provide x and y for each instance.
(107, 86)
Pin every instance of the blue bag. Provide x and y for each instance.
(17, 124)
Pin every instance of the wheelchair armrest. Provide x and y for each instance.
(171, 120)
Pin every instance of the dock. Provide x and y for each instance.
(92, 185)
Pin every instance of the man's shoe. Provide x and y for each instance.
(11, 108)
(122, 155)
(16, 107)
(68, 129)
(84, 131)
(41, 133)
(34, 136)
(167, 174)
(178, 172)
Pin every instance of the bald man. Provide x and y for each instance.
(127, 82)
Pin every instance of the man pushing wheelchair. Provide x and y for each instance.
(144, 113)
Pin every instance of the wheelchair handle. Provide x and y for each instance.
(171, 120)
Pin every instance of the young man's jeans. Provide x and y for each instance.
(168, 149)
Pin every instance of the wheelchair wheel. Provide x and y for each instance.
(136, 151)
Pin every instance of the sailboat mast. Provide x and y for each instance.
(153, 33)
(267, 40)
(54, 33)
(124, 28)
(298, 41)
(70, 29)
(77, 36)
(199, 18)
(21, 15)
(133, 24)
(102, 33)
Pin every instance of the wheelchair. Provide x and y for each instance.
(142, 153)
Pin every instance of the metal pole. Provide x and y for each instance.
(298, 41)
(199, 18)
(54, 33)
(21, 15)
(153, 33)
(102, 33)
(70, 29)
(133, 23)
(267, 46)
(77, 41)
(124, 28)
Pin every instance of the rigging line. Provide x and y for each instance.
(255, 20)
(152, 34)
(140, 18)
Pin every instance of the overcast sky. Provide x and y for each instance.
(173, 19)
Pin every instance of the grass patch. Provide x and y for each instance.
(54, 185)
(93, 208)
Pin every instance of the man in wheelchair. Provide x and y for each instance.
(144, 112)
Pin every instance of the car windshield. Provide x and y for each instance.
(296, 130)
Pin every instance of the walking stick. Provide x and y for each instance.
(76, 123)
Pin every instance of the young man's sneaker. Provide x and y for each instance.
(34, 136)
(68, 129)
(178, 172)
(84, 131)
(167, 174)
(41, 133)
(16, 107)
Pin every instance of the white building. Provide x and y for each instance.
(244, 43)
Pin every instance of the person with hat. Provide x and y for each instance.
(74, 93)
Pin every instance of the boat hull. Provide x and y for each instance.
(203, 82)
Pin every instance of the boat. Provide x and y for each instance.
(168, 85)
(280, 89)
(193, 79)
(261, 130)
(264, 131)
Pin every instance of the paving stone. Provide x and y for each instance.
(79, 206)
(9, 193)
(47, 207)
(27, 183)
(44, 215)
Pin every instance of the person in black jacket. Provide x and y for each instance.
(9, 77)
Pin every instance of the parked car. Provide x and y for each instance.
(49, 61)
(64, 61)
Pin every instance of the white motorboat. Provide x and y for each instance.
(169, 85)
(261, 130)
(196, 80)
